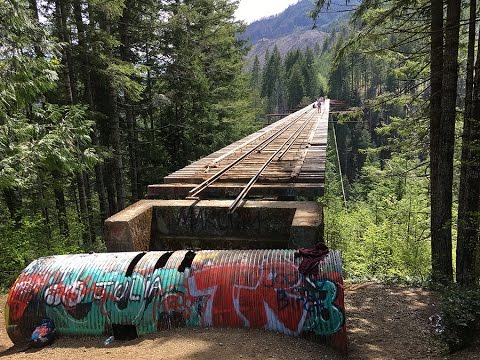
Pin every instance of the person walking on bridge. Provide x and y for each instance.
(320, 103)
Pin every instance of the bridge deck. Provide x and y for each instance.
(297, 169)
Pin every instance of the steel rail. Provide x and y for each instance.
(228, 153)
(295, 136)
(236, 203)
(265, 145)
(198, 189)
(247, 187)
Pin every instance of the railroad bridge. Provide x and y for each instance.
(233, 208)
(257, 193)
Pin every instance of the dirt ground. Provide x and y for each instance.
(383, 322)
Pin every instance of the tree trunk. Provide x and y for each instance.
(132, 145)
(102, 194)
(66, 38)
(110, 187)
(82, 200)
(61, 211)
(438, 238)
(62, 34)
(60, 204)
(34, 7)
(116, 145)
(443, 146)
(100, 186)
(14, 203)
(73, 195)
(469, 192)
(88, 96)
(68, 70)
(85, 70)
(150, 94)
(470, 60)
(45, 212)
(116, 163)
(125, 52)
(123, 29)
(88, 196)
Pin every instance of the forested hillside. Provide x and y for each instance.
(294, 29)
(296, 18)
(403, 189)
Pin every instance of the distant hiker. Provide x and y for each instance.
(320, 103)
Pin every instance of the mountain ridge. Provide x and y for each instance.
(294, 18)
(293, 29)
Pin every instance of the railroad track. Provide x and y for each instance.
(277, 154)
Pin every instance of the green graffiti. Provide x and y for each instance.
(324, 318)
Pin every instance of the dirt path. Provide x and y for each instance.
(384, 322)
(388, 322)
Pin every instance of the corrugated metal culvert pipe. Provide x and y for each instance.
(139, 293)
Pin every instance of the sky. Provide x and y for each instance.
(251, 10)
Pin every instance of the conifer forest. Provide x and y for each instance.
(100, 98)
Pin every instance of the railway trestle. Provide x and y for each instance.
(257, 193)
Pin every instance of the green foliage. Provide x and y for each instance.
(23, 243)
(202, 80)
(111, 9)
(460, 322)
(288, 83)
(273, 82)
(121, 77)
(58, 140)
(24, 77)
(295, 89)
(384, 231)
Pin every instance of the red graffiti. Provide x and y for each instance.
(272, 289)
(25, 288)
(180, 303)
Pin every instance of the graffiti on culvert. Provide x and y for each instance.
(266, 294)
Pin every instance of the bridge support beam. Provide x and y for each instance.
(206, 224)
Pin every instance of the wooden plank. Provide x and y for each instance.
(230, 190)
(307, 155)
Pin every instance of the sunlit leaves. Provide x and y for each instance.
(121, 75)
(384, 232)
(59, 140)
(111, 9)
(24, 75)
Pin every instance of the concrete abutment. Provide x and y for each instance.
(207, 224)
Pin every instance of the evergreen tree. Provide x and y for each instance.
(309, 75)
(468, 249)
(295, 87)
(203, 79)
(273, 82)
(93, 89)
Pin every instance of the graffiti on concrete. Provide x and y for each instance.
(202, 221)
(217, 290)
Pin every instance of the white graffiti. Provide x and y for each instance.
(69, 295)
